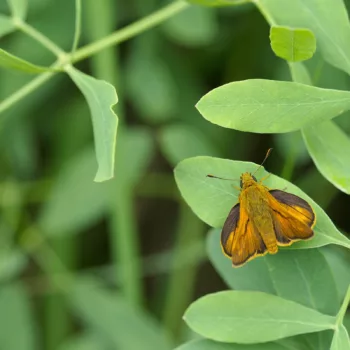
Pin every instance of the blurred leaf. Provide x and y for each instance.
(299, 73)
(12, 62)
(205, 344)
(75, 201)
(267, 106)
(18, 8)
(86, 341)
(339, 262)
(101, 97)
(194, 27)
(292, 44)
(218, 2)
(18, 330)
(12, 263)
(6, 25)
(111, 315)
(180, 141)
(299, 275)
(252, 317)
(328, 19)
(327, 143)
(341, 340)
(157, 101)
(134, 152)
(212, 199)
(346, 321)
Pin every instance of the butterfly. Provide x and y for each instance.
(263, 220)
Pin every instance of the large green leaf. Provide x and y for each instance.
(205, 344)
(18, 330)
(18, 8)
(252, 317)
(101, 97)
(303, 276)
(110, 314)
(265, 106)
(75, 202)
(12, 62)
(6, 25)
(341, 340)
(292, 44)
(328, 19)
(212, 199)
(328, 146)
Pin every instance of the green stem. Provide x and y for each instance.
(42, 39)
(77, 30)
(343, 308)
(182, 281)
(25, 91)
(131, 30)
(124, 246)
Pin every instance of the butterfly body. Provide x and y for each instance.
(263, 220)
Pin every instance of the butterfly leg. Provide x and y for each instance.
(236, 188)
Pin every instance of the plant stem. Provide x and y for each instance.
(77, 30)
(42, 39)
(25, 90)
(343, 308)
(181, 281)
(131, 30)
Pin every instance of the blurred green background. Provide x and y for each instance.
(114, 265)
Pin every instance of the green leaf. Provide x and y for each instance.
(339, 263)
(332, 29)
(12, 263)
(17, 329)
(181, 28)
(212, 199)
(252, 317)
(292, 44)
(212, 3)
(6, 25)
(12, 62)
(327, 145)
(267, 106)
(85, 341)
(75, 202)
(205, 344)
(110, 314)
(101, 97)
(297, 275)
(180, 141)
(341, 340)
(18, 8)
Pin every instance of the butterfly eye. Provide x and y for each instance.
(254, 178)
(241, 183)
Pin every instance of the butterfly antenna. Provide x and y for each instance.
(220, 178)
(267, 155)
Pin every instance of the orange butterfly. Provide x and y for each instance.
(263, 220)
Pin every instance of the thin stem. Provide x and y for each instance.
(343, 308)
(25, 90)
(42, 39)
(131, 30)
(77, 31)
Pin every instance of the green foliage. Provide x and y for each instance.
(12, 62)
(101, 97)
(292, 44)
(265, 106)
(76, 253)
(226, 316)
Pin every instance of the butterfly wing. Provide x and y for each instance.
(293, 217)
(240, 240)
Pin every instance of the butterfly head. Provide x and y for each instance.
(247, 180)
